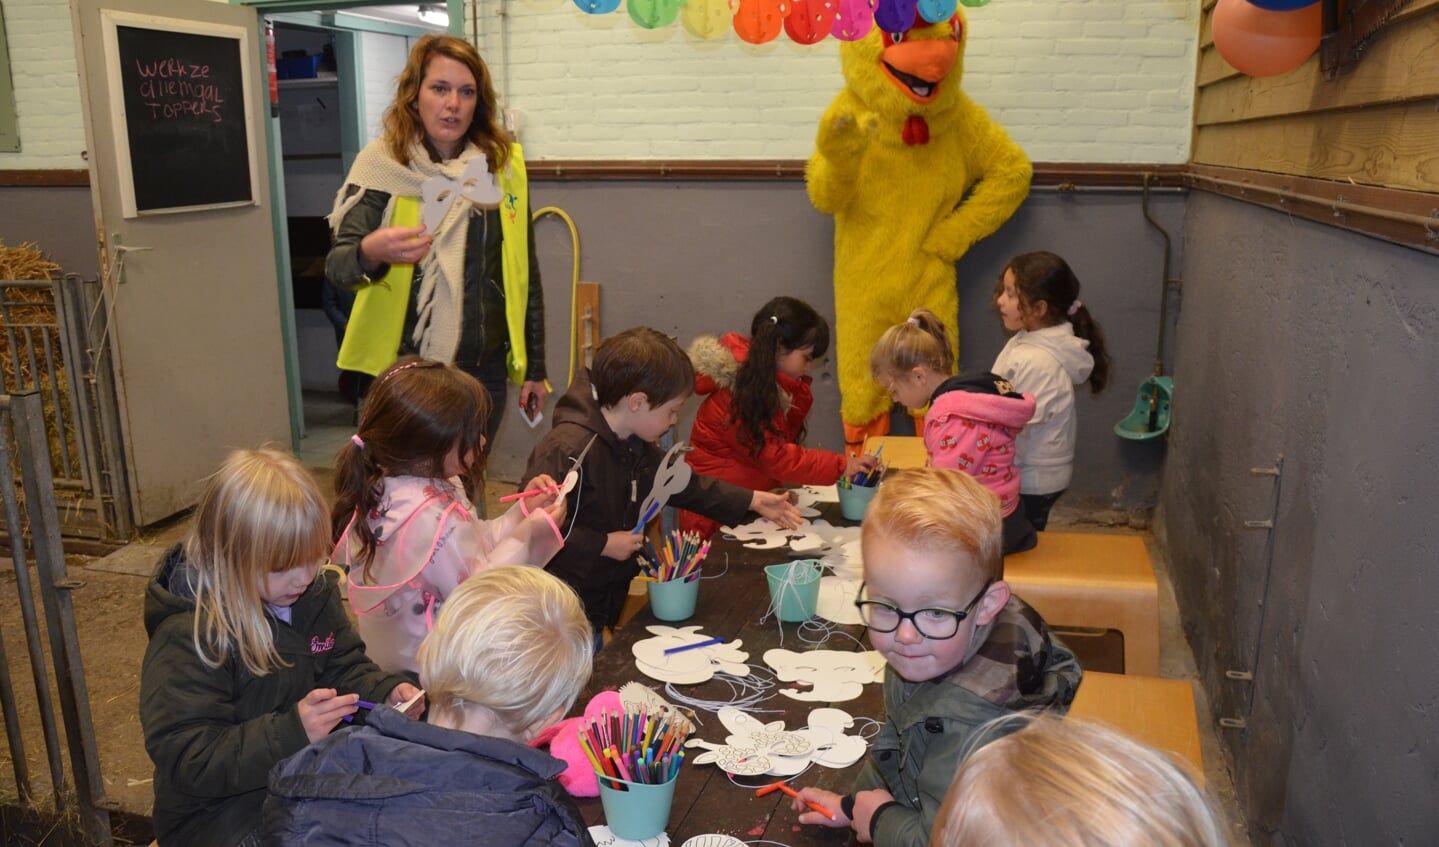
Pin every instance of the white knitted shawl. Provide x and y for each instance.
(440, 302)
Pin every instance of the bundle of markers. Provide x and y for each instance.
(678, 558)
(639, 747)
(866, 480)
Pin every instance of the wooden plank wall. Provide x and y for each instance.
(1377, 123)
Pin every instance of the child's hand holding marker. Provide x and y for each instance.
(867, 477)
(322, 708)
(824, 807)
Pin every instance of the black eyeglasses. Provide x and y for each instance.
(934, 624)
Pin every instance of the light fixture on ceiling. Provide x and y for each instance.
(433, 15)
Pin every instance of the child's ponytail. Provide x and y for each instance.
(1087, 328)
(782, 323)
(359, 483)
(921, 341)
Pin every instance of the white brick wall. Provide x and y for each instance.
(1072, 80)
(47, 88)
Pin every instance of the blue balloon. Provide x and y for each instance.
(598, 7)
(935, 11)
(1282, 5)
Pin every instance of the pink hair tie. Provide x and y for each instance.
(912, 321)
(357, 441)
(1074, 307)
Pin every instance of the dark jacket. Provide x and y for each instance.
(484, 336)
(400, 782)
(214, 733)
(929, 727)
(616, 478)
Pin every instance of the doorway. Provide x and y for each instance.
(336, 74)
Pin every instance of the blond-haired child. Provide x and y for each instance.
(506, 659)
(973, 419)
(251, 656)
(1064, 782)
(960, 650)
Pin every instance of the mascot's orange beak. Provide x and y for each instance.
(917, 66)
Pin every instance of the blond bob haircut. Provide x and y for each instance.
(940, 510)
(261, 513)
(512, 640)
(1063, 782)
(921, 341)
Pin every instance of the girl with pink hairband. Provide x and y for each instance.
(404, 525)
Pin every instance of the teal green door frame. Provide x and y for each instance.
(319, 14)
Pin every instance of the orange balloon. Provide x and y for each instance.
(1259, 42)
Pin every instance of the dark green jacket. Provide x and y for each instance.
(214, 733)
(930, 726)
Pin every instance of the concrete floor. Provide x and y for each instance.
(330, 422)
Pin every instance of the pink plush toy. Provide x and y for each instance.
(563, 739)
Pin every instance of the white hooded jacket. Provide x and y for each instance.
(1047, 363)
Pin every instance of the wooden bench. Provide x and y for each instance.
(1158, 712)
(1097, 580)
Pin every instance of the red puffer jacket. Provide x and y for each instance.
(718, 451)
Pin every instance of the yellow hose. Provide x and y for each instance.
(574, 279)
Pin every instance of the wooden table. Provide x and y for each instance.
(705, 800)
(900, 451)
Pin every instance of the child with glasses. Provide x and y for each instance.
(961, 650)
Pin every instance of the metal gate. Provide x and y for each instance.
(55, 344)
(36, 538)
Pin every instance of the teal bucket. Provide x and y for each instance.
(635, 811)
(675, 600)
(1150, 418)
(854, 500)
(794, 590)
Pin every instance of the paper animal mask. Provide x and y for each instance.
(832, 675)
(476, 184)
(752, 748)
(755, 748)
(690, 666)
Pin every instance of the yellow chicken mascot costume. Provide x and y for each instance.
(914, 173)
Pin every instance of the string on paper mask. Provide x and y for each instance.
(788, 588)
(721, 573)
(746, 693)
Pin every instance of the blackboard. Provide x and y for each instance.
(184, 122)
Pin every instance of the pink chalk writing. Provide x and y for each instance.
(175, 89)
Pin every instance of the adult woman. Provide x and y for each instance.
(469, 285)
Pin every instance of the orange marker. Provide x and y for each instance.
(783, 786)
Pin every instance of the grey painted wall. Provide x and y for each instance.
(701, 257)
(1322, 347)
(60, 220)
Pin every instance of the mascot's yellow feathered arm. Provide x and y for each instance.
(844, 132)
(1005, 173)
